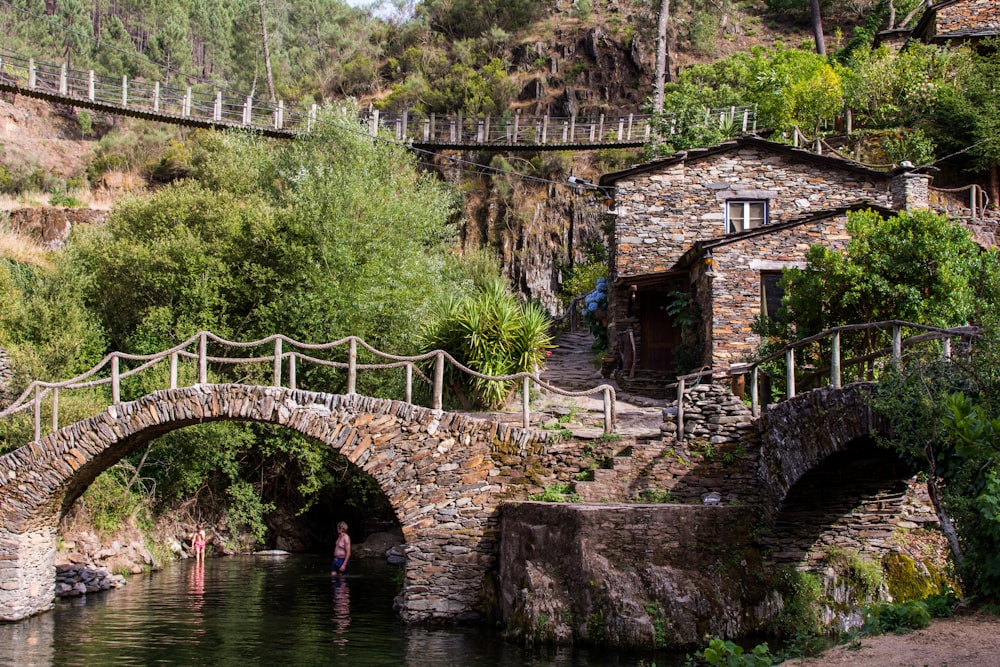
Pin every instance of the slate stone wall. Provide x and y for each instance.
(968, 14)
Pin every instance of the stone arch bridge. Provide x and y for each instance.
(442, 473)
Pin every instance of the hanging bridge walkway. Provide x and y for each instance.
(196, 107)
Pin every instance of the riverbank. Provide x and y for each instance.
(971, 640)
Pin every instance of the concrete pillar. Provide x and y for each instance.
(27, 573)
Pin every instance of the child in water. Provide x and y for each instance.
(341, 550)
(198, 542)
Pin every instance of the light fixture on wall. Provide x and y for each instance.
(709, 264)
(605, 193)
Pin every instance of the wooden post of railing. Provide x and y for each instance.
(38, 413)
(790, 373)
(517, 123)
(217, 110)
(409, 383)
(248, 111)
(277, 362)
(755, 391)
(649, 130)
(433, 128)
(629, 127)
(291, 370)
(600, 128)
(55, 409)
(312, 118)
(31, 75)
(486, 129)
(352, 365)
(680, 410)
(572, 128)
(62, 79)
(186, 105)
(156, 97)
(526, 402)
(621, 128)
(124, 91)
(608, 414)
(373, 123)
(946, 349)
(427, 128)
(746, 119)
(897, 345)
(203, 358)
(403, 130)
(545, 128)
(280, 118)
(835, 361)
(593, 129)
(173, 370)
(439, 381)
(90, 85)
(116, 386)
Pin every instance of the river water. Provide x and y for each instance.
(252, 610)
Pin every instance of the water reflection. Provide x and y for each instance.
(243, 611)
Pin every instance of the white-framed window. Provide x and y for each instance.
(744, 214)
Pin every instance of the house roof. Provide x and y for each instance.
(927, 20)
(827, 161)
(699, 248)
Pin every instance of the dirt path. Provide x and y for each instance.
(962, 641)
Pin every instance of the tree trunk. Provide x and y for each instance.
(995, 184)
(267, 53)
(947, 527)
(662, 68)
(817, 21)
(892, 14)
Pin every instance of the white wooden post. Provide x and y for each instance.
(116, 390)
(409, 383)
(90, 85)
(186, 108)
(156, 97)
(621, 128)
(280, 118)
(173, 370)
(291, 370)
(835, 361)
(312, 118)
(517, 123)
(545, 128)
(62, 80)
(946, 349)
(217, 111)
(38, 413)
(277, 362)
(572, 128)
(124, 91)
(248, 111)
(790, 373)
(31, 73)
(600, 128)
(373, 123)
(352, 366)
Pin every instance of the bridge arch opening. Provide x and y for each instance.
(853, 499)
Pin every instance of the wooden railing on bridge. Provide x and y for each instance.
(865, 364)
(188, 105)
(285, 363)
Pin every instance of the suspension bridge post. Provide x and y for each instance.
(156, 97)
(217, 110)
(438, 380)
(897, 345)
(312, 118)
(526, 401)
(62, 79)
(545, 129)
(630, 127)
(600, 127)
(248, 110)
(31, 73)
(277, 362)
(173, 370)
(621, 128)
(790, 373)
(124, 91)
(90, 85)
(572, 128)
(186, 107)
(373, 123)
(352, 366)
(203, 358)
(835, 361)
(116, 381)
(517, 123)
(280, 118)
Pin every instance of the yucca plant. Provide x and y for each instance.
(492, 333)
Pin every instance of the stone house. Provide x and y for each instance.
(959, 21)
(700, 238)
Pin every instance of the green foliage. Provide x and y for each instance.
(802, 593)
(557, 493)
(492, 333)
(897, 617)
(467, 18)
(864, 574)
(111, 501)
(724, 653)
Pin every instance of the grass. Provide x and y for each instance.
(22, 249)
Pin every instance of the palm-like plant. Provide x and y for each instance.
(492, 333)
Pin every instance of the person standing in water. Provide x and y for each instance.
(341, 550)
(198, 542)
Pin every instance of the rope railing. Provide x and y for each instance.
(197, 106)
(285, 365)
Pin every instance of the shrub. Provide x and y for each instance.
(725, 653)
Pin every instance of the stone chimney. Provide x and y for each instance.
(909, 190)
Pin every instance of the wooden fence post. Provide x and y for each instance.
(526, 402)
(291, 370)
(835, 361)
(608, 414)
(55, 409)
(409, 383)
(680, 410)
(62, 79)
(248, 111)
(173, 370)
(352, 365)
(124, 91)
(755, 391)
(31, 73)
(203, 358)
(439, 381)
(897, 345)
(217, 110)
(373, 123)
(790, 373)
(38, 413)
(116, 388)
(277, 362)
(90, 85)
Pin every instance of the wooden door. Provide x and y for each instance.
(658, 333)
